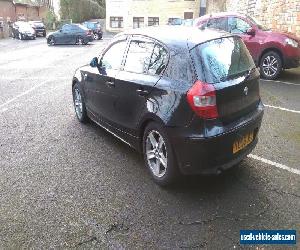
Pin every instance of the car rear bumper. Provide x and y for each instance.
(213, 154)
(40, 31)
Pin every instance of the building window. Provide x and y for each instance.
(116, 22)
(138, 22)
(188, 15)
(152, 21)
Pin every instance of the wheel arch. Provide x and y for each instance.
(144, 123)
(271, 49)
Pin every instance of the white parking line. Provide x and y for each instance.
(22, 94)
(275, 164)
(288, 83)
(283, 109)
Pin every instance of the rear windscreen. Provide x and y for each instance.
(221, 59)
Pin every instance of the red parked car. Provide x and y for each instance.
(271, 50)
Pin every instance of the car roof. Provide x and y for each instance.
(221, 14)
(173, 36)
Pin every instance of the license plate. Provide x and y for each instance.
(243, 142)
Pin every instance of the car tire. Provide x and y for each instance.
(44, 34)
(79, 103)
(159, 156)
(51, 41)
(96, 36)
(79, 40)
(270, 65)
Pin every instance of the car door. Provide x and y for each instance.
(239, 26)
(64, 34)
(143, 66)
(100, 82)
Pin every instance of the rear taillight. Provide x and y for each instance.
(202, 99)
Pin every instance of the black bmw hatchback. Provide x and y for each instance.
(187, 99)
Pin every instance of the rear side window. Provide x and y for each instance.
(221, 59)
(139, 56)
(218, 23)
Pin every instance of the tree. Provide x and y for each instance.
(81, 10)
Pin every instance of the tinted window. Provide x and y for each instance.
(218, 23)
(237, 25)
(158, 61)
(112, 58)
(222, 59)
(66, 28)
(139, 55)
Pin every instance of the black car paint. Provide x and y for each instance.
(199, 144)
(95, 29)
(70, 36)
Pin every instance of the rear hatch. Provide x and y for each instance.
(228, 66)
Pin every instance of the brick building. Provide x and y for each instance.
(282, 15)
(124, 14)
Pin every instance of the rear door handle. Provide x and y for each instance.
(142, 92)
(110, 84)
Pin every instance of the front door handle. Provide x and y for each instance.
(142, 92)
(110, 84)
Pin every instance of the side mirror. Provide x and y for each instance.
(94, 63)
(251, 32)
(60, 30)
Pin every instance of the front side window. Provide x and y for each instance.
(221, 59)
(218, 23)
(138, 22)
(113, 57)
(152, 21)
(158, 61)
(237, 25)
(139, 56)
(116, 22)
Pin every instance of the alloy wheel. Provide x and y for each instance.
(156, 153)
(270, 66)
(78, 103)
(96, 36)
(80, 41)
(51, 40)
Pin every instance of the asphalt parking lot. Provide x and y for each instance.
(66, 185)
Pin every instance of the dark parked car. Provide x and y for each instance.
(95, 27)
(22, 30)
(70, 34)
(174, 98)
(39, 28)
(272, 51)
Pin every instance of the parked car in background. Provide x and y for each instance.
(175, 21)
(174, 98)
(39, 28)
(95, 27)
(22, 30)
(70, 34)
(271, 50)
(188, 22)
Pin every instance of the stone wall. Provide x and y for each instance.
(282, 15)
